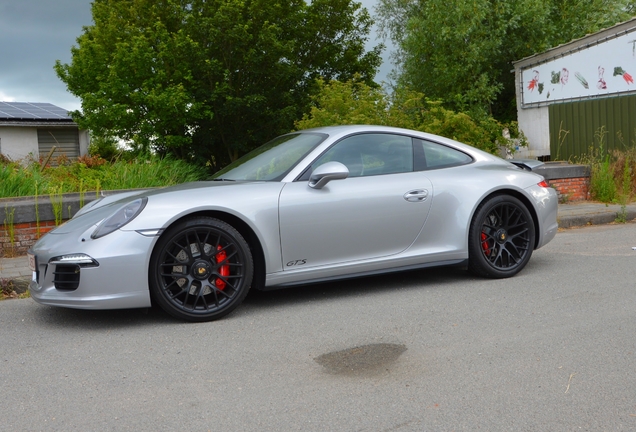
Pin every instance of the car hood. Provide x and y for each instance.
(165, 204)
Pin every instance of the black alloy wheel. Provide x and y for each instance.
(201, 269)
(501, 238)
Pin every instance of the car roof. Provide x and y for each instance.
(343, 130)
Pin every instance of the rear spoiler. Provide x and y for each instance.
(526, 164)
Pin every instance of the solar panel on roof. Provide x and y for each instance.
(32, 111)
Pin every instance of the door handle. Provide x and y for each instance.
(416, 195)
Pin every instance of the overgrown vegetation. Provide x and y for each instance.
(13, 288)
(30, 178)
(355, 102)
(612, 178)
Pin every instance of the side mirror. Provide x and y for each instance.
(327, 172)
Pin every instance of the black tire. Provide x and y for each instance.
(200, 270)
(501, 238)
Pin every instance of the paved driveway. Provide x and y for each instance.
(551, 349)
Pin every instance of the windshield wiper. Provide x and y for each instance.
(223, 179)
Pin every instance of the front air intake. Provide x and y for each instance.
(66, 277)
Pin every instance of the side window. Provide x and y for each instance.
(431, 155)
(371, 154)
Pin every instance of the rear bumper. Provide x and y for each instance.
(546, 206)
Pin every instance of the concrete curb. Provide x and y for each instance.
(577, 215)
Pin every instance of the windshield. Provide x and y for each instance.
(271, 161)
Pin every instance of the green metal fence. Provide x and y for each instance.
(576, 127)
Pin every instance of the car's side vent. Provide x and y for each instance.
(66, 277)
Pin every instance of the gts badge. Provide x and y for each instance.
(296, 263)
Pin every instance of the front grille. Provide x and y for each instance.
(66, 277)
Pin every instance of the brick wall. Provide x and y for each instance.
(572, 182)
(571, 189)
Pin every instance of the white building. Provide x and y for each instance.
(32, 129)
(568, 94)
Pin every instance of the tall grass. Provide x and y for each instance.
(150, 173)
(17, 180)
(92, 173)
(602, 181)
(612, 178)
(9, 228)
(55, 194)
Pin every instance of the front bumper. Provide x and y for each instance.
(117, 277)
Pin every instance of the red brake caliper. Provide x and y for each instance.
(224, 270)
(484, 243)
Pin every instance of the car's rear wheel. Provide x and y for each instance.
(501, 237)
(201, 269)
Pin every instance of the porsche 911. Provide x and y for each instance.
(309, 206)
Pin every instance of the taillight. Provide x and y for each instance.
(543, 184)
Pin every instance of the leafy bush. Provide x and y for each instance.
(104, 148)
(354, 102)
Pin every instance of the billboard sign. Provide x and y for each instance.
(607, 67)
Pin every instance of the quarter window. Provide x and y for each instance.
(431, 155)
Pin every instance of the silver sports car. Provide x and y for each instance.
(309, 206)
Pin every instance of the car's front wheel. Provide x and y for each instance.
(201, 269)
(501, 237)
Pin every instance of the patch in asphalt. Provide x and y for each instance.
(361, 360)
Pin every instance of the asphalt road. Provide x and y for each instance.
(551, 349)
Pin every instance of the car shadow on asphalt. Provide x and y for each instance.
(431, 278)
(435, 278)
(257, 301)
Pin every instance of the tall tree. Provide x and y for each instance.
(461, 51)
(211, 79)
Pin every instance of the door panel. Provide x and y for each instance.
(352, 219)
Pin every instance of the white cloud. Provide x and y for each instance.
(5, 97)
(34, 34)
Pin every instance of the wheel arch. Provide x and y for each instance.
(521, 197)
(256, 248)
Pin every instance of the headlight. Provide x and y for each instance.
(81, 260)
(120, 218)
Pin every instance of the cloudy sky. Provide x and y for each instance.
(36, 33)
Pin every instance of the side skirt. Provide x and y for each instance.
(319, 279)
